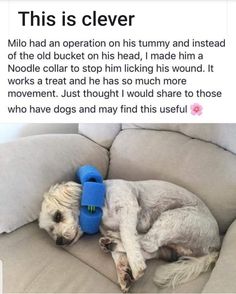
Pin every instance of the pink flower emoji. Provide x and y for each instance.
(196, 109)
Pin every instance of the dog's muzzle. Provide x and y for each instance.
(63, 241)
(60, 240)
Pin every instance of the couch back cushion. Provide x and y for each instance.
(102, 134)
(29, 166)
(224, 135)
(201, 167)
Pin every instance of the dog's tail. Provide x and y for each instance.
(183, 270)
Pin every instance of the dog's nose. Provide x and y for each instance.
(62, 241)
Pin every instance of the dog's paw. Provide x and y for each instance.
(126, 280)
(107, 244)
(125, 276)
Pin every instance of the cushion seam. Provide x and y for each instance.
(90, 266)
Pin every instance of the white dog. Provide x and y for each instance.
(141, 220)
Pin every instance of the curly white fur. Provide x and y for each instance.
(150, 218)
(184, 270)
(65, 199)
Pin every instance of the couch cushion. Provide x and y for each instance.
(223, 135)
(31, 129)
(88, 251)
(102, 134)
(32, 263)
(29, 166)
(223, 276)
(146, 285)
(203, 168)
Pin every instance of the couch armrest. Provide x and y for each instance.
(29, 166)
(223, 277)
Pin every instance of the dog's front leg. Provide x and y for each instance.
(123, 270)
(124, 273)
(129, 238)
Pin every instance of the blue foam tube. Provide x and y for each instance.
(92, 198)
(89, 173)
(90, 222)
(93, 194)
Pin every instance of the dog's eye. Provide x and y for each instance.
(57, 218)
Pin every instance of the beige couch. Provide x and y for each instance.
(201, 158)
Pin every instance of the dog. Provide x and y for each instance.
(141, 220)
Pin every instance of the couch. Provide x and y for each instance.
(199, 157)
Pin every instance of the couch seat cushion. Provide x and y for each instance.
(88, 251)
(32, 263)
(223, 276)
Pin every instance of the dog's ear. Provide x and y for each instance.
(68, 194)
(72, 188)
(52, 191)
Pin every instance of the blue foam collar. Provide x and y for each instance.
(92, 198)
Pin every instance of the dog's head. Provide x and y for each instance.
(60, 213)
